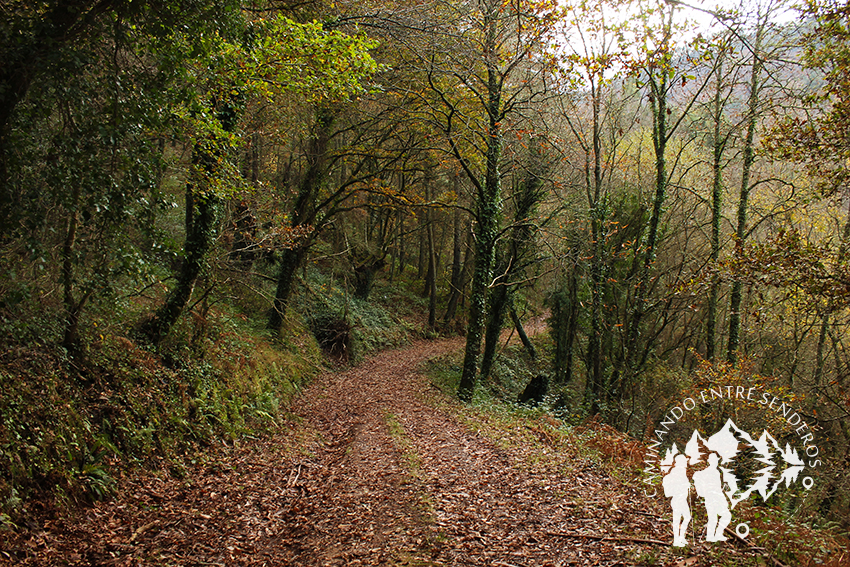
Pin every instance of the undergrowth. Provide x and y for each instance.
(349, 328)
(566, 440)
(70, 426)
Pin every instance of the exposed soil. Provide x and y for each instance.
(374, 468)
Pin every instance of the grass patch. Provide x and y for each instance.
(409, 457)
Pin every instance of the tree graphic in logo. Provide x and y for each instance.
(713, 463)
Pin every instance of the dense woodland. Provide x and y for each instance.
(666, 184)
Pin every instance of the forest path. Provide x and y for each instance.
(375, 467)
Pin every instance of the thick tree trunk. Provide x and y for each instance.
(290, 261)
(478, 299)
(488, 213)
(202, 212)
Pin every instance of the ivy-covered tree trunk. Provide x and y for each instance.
(201, 232)
(499, 299)
(736, 296)
(290, 261)
(716, 215)
(512, 266)
(71, 337)
(488, 211)
(203, 205)
(303, 214)
(484, 252)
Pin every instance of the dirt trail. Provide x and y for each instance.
(369, 472)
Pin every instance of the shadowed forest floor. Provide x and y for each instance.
(375, 466)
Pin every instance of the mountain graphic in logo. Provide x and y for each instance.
(724, 469)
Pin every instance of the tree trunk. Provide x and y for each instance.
(290, 261)
(200, 237)
(488, 212)
(593, 383)
(523, 336)
(499, 299)
(71, 339)
(625, 371)
(716, 216)
(432, 279)
(400, 240)
(303, 214)
(202, 212)
(422, 262)
(463, 278)
(736, 296)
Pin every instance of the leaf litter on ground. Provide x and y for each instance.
(375, 468)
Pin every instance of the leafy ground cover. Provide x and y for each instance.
(375, 465)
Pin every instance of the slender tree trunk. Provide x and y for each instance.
(71, 338)
(736, 296)
(716, 217)
(432, 279)
(459, 286)
(401, 257)
(457, 250)
(422, 262)
(658, 100)
(565, 322)
(826, 316)
(523, 336)
(594, 381)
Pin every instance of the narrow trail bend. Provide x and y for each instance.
(370, 471)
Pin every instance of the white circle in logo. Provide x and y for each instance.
(743, 530)
(808, 482)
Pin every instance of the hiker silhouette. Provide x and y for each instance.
(708, 484)
(677, 486)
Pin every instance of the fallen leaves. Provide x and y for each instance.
(340, 488)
